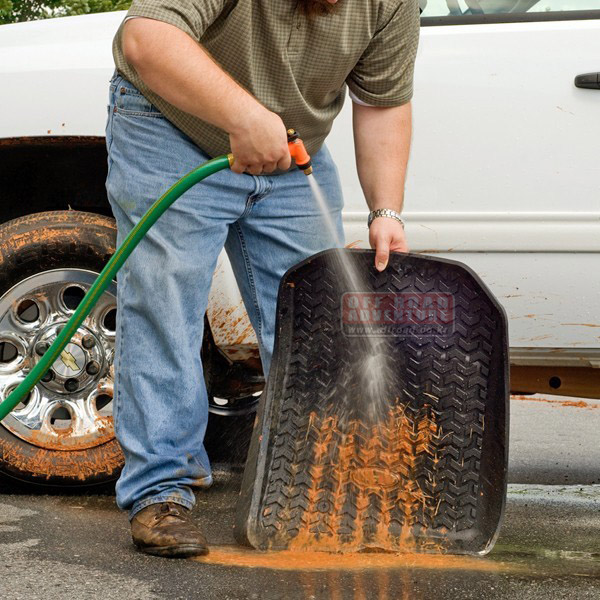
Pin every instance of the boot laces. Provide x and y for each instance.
(168, 510)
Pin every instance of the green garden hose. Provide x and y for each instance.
(107, 275)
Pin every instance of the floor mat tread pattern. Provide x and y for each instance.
(428, 471)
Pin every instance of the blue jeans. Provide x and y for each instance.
(266, 224)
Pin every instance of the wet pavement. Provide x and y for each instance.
(74, 546)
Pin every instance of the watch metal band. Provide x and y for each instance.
(384, 212)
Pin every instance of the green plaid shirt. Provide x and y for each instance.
(295, 66)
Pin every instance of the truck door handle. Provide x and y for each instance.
(591, 81)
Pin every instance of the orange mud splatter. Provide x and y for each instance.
(576, 404)
(229, 329)
(325, 561)
(18, 240)
(375, 470)
(62, 440)
(79, 464)
(244, 336)
(580, 404)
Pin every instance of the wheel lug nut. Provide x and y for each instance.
(88, 341)
(93, 368)
(71, 385)
(41, 347)
(48, 376)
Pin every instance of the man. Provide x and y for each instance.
(199, 78)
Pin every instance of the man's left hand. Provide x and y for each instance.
(385, 236)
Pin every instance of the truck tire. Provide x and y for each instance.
(62, 434)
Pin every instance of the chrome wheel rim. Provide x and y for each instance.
(71, 408)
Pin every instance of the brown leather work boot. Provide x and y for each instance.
(167, 529)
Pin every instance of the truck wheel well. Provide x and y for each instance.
(52, 173)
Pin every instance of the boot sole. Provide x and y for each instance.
(180, 551)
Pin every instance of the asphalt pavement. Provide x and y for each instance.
(78, 546)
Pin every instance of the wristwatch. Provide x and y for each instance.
(384, 212)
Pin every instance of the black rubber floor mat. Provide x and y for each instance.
(384, 421)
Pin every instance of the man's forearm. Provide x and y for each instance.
(178, 69)
(382, 143)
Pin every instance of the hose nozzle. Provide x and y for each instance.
(298, 152)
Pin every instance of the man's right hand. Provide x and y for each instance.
(259, 144)
(178, 69)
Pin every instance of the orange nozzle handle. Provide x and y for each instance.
(298, 152)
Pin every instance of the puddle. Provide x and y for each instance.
(557, 494)
(325, 561)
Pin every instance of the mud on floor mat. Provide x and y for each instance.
(384, 421)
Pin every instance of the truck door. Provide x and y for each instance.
(504, 170)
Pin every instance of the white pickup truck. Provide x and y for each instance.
(504, 176)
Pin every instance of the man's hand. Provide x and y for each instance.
(386, 235)
(260, 145)
(178, 69)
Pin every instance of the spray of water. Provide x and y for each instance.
(349, 272)
(373, 396)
